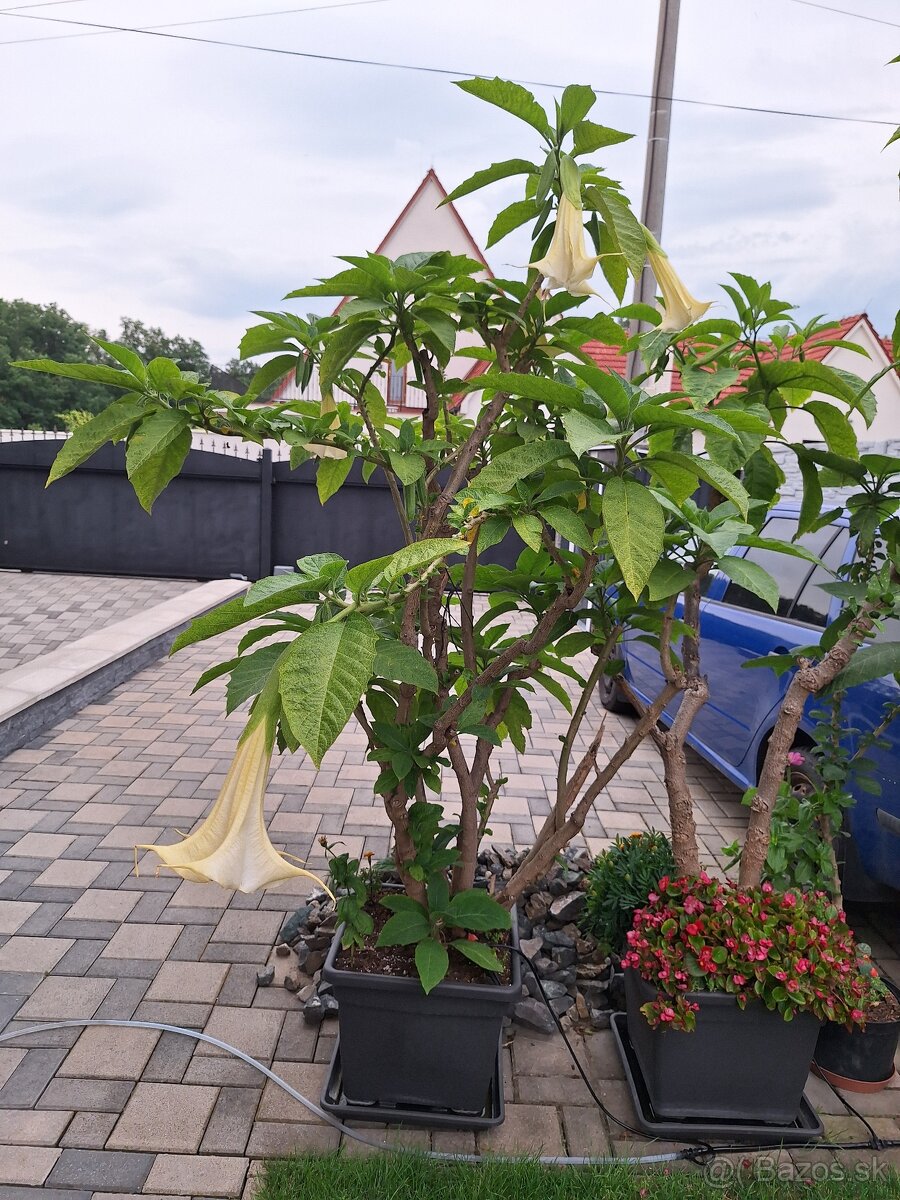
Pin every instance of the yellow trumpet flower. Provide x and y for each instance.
(566, 264)
(679, 308)
(232, 847)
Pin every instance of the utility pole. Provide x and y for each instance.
(657, 159)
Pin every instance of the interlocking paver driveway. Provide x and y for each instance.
(43, 611)
(124, 1110)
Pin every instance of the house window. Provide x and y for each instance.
(396, 385)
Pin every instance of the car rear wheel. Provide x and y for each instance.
(611, 696)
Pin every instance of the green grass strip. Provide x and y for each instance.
(413, 1177)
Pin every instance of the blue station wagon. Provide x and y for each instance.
(732, 729)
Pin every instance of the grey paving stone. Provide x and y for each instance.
(85, 1095)
(80, 957)
(9, 1192)
(30, 1078)
(89, 1131)
(232, 1119)
(169, 1060)
(101, 1170)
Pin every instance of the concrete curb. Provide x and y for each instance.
(55, 685)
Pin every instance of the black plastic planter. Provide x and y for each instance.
(859, 1060)
(401, 1047)
(748, 1064)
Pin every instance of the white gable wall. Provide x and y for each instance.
(800, 427)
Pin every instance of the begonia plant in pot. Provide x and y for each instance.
(859, 1056)
(733, 985)
(433, 650)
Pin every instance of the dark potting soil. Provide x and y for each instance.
(884, 1011)
(400, 961)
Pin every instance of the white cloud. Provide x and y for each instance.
(186, 184)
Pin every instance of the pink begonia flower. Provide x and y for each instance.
(795, 758)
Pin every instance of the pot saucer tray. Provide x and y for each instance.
(806, 1127)
(335, 1102)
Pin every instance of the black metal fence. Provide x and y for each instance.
(224, 514)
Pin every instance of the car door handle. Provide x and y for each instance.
(777, 650)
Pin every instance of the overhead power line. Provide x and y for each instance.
(395, 66)
(844, 12)
(100, 30)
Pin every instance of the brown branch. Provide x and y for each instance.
(466, 602)
(523, 646)
(551, 840)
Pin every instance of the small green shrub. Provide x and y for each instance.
(619, 882)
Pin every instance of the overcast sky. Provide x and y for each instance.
(187, 184)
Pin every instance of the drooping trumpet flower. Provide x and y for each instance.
(566, 264)
(232, 847)
(679, 308)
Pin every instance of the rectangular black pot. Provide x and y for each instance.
(401, 1047)
(746, 1064)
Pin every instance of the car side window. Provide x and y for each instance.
(789, 573)
(813, 604)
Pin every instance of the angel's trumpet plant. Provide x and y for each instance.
(231, 846)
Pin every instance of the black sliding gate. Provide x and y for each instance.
(223, 515)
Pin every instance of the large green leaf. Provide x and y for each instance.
(584, 432)
(569, 524)
(482, 955)
(577, 101)
(503, 472)
(330, 474)
(156, 452)
(511, 97)
(251, 673)
(805, 376)
(626, 228)
(511, 218)
(404, 664)
(91, 372)
(834, 428)
(531, 387)
(404, 928)
(751, 576)
(341, 347)
(407, 467)
(362, 576)
(529, 529)
(668, 579)
(498, 170)
(276, 587)
(663, 416)
(125, 357)
(634, 522)
(412, 559)
(868, 663)
(110, 425)
(432, 963)
(725, 483)
(233, 613)
(476, 910)
(322, 677)
(589, 137)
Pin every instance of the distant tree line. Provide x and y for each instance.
(33, 401)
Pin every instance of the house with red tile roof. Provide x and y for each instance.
(425, 223)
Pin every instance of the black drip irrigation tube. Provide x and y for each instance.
(699, 1153)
